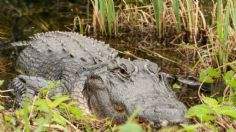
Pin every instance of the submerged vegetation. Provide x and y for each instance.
(204, 30)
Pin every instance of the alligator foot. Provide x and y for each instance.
(28, 86)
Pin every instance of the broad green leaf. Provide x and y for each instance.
(40, 122)
(228, 76)
(57, 101)
(73, 103)
(205, 117)
(208, 74)
(212, 72)
(202, 112)
(210, 102)
(232, 83)
(42, 105)
(204, 77)
(227, 110)
(59, 119)
(131, 127)
(191, 128)
(196, 110)
(207, 79)
(51, 85)
(76, 112)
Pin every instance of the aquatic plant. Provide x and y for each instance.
(104, 17)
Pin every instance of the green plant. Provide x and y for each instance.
(177, 15)
(233, 12)
(222, 31)
(210, 112)
(158, 11)
(43, 114)
(104, 16)
(130, 126)
(213, 113)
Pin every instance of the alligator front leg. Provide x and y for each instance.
(28, 86)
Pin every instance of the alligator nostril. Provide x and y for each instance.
(160, 77)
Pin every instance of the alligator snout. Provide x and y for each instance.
(160, 110)
(164, 115)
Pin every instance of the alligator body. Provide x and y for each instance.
(93, 74)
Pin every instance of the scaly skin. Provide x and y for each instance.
(92, 74)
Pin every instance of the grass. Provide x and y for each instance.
(60, 113)
(158, 12)
(56, 114)
(104, 17)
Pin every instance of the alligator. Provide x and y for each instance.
(92, 73)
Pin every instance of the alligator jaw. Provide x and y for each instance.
(115, 95)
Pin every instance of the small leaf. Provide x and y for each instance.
(210, 102)
(227, 110)
(76, 112)
(58, 101)
(201, 109)
(1, 82)
(206, 79)
(59, 119)
(176, 86)
(232, 83)
(40, 122)
(131, 127)
(228, 76)
(205, 118)
(191, 128)
(202, 112)
(212, 72)
(208, 74)
(42, 105)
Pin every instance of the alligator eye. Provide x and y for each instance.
(123, 71)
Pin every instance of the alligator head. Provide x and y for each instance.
(129, 85)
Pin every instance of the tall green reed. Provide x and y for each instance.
(104, 16)
(233, 12)
(177, 15)
(111, 17)
(222, 31)
(158, 11)
(189, 8)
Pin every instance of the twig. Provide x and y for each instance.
(165, 58)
